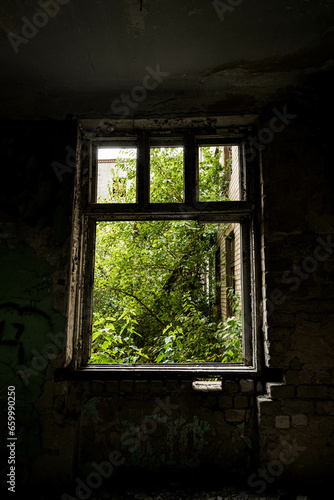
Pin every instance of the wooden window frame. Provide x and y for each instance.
(86, 212)
(230, 278)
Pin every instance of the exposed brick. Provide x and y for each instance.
(77, 388)
(298, 406)
(126, 386)
(246, 385)
(282, 421)
(280, 391)
(141, 386)
(209, 386)
(267, 406)
(325, 407)
(329, 407)
(112, 386)
(172, 386)
(225, 401)
(298, 420)
(235, 415)
(97, 386)
(209, 401)
(312, 391)
(156, 386)
(241, 402)
(230, 386)
(267, 421)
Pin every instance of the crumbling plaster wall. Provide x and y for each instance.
(34, 257)
(64, 427)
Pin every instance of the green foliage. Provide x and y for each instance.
(155, 290)
(231, 339)
(166, 166)
(194, 338)
(213, 177)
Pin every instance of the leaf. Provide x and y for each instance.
(127, 261)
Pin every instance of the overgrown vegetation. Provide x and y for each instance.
(156, 291)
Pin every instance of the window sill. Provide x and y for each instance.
(165, 371)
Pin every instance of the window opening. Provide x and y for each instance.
(219, 173)
(155, 294)
(116, 175)
(166, 174)
(163, 246)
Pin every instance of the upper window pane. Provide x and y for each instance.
(166, 172)
(116, 175)
(219, 173)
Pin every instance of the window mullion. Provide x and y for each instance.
(247, 319)
(190, 171)
(143, 170)
(92, 158)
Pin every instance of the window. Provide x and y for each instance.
(163, 243)
(230, 272)
(116, 174)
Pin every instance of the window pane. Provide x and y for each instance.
(116, 175)
(166, 171)
(167, 292)
(219, 173)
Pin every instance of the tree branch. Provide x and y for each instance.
(140, 302)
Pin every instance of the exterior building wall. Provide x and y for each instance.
(231, 153)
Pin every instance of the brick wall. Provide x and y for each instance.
(298, 273)
(284, 428)
(234, 194)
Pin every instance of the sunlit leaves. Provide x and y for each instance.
(155, 289)
(166, 169)
(213, 174)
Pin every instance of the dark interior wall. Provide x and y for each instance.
(298, 250)
(65, 427)
(35, 245)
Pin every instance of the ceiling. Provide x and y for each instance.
(85, 57)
